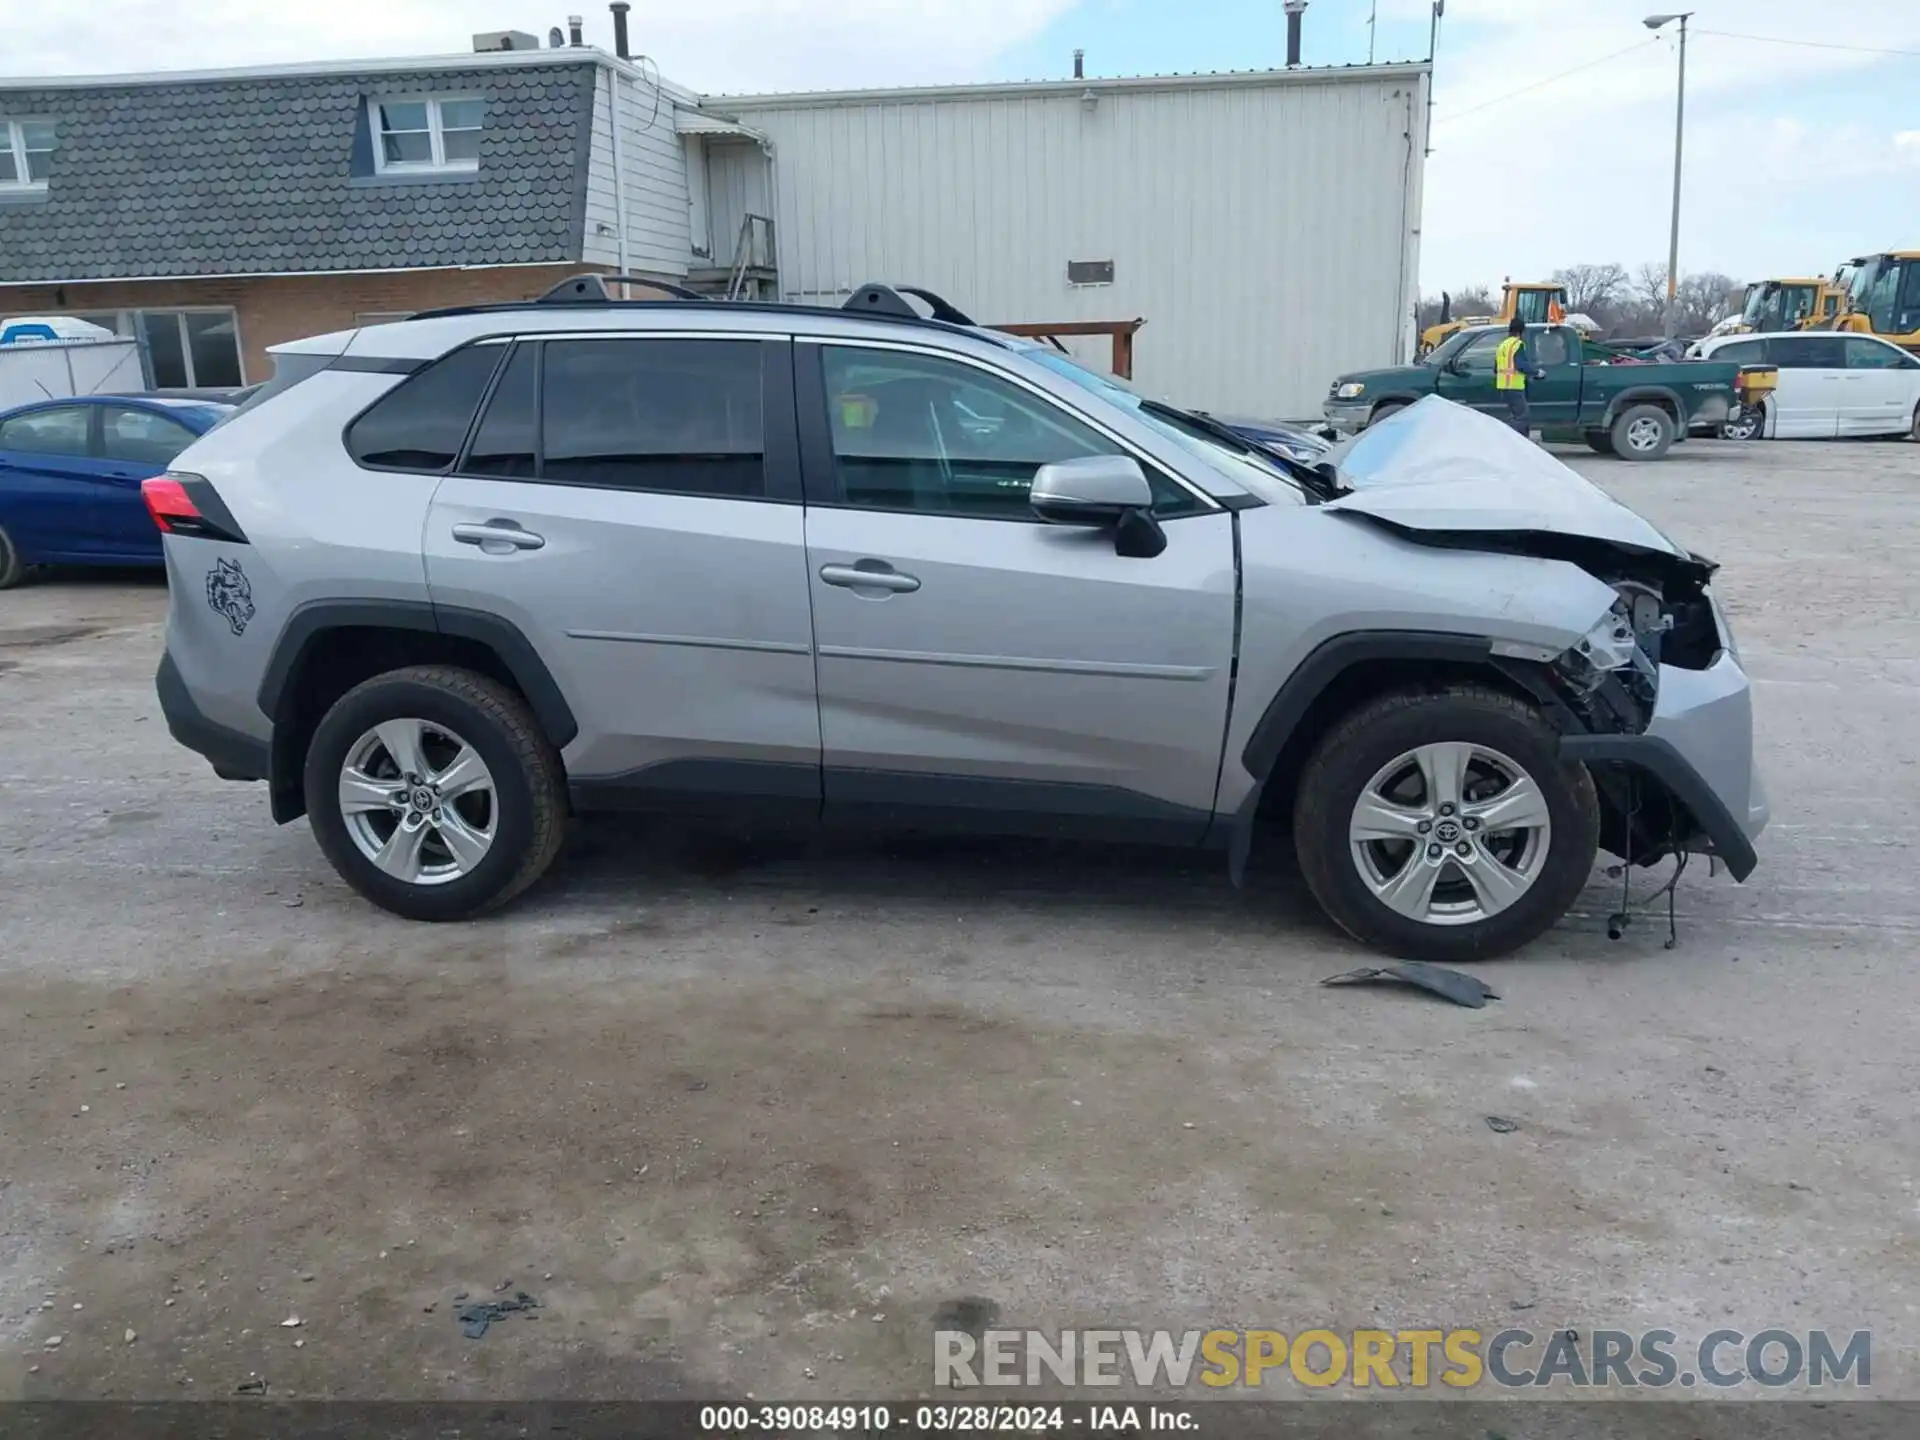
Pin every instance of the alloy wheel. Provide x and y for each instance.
(1450, 833)
(418, 801)
(1644, 434)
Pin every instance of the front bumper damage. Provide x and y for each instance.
(1697, 752)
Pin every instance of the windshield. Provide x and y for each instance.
(1195, 437)
(1447, 348)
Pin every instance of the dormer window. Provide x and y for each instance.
(26, 151)
(426, 133)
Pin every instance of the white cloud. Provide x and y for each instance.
(734, 45)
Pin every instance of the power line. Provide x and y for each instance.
(1809, 44)
(1539, 84)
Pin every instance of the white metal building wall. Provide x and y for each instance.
(1266, 225)
(659, 227)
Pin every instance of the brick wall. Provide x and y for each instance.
(280, 308)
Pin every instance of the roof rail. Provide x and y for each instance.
(875, 298)
(592, 290)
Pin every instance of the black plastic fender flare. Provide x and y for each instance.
(310, 621)
(1323, 665)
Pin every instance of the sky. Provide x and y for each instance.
(1799, 152)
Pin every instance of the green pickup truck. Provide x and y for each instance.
(1582, 390)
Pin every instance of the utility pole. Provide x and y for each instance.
(1672, 320)
(1433, 45)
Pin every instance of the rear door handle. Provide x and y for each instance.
(869, 575)
(498, 532)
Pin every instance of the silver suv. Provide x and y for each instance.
(444, 583)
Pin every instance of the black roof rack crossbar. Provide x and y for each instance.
(875, 298)
(592, 290)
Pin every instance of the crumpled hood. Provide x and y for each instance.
(1438, 466)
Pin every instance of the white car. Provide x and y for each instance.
(1830, 384)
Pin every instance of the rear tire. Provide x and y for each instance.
(1528, 875)
(470, 857)
(1642, 432)
(1600, 442)
(12, 569)
(1914, 433)
(1385, 412)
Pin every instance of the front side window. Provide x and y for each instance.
(1741, 352)
(924, 434)
(677, 416)
(1477, 354)
(1865, 354)
(141, 437)
(429, 132)
(420, 424)
(26, 154)
(61, 431)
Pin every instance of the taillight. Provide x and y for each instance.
(170, 506)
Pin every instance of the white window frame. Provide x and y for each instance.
(126, 324)
(438, 163)
(14, 133)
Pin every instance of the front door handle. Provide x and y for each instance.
(869, 575)
(498, 532)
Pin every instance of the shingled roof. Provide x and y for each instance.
(272, 174)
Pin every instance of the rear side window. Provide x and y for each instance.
(1807, 352)
(1865, 354)
(1741, 352)
(420, 424)
(141, 437)
(680, 416)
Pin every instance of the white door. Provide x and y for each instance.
(1881, 386)
(1812, 387)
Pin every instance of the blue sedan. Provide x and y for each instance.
(70, 473)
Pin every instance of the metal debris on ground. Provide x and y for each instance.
(251, 1387)
(1500, 1125)
(1454, 985)
(474, 1319)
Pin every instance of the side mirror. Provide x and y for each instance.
(1104, 491)
(1091, 490)
(1456, 366)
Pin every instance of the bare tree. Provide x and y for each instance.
(1592, 288)
(1702, 300)
(1650, 286)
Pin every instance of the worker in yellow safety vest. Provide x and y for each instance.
(1511, 367)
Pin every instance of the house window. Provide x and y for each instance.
(26, 150)
(431, 132)
(179, 349)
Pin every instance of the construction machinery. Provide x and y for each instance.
(1791, 304)
(1535, 302)
(1882, 297)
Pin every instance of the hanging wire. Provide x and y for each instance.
(1539, 84)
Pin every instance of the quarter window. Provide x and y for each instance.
(919, 433)
(26, 154)
(429, 132)
(60, 431)
(421, 423)
(140, 437)
(681, 416)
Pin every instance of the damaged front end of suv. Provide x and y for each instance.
(1651, 698)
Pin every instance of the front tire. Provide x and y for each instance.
(1914, 433)
(1510, 829)
(1385, 412)
(1642, 432)
(434, 792)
